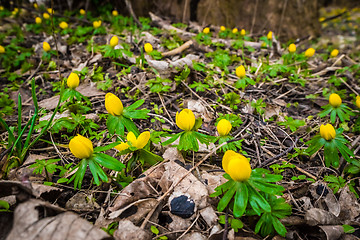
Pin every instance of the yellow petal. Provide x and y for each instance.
(270, 35)
(122, 146)
(2, 49)
(113, 104)
(73, 81)
(292, 48)
(142, 140)
(358, 101)
(114, 41)
(206, 30)
(185, 120)
(334, 53)
(224, 127)
(327, 132)
(242, 32)
(131, 138)
(46, 46)
(240, 71)
(309, 52)
(226, 159)
(235, 30)
(239, 168)
(148, 48)
(81, 147)
(335, 100)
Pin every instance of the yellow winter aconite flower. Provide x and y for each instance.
(16, 10)
(185, 120)
(148, 48)
(334, 53)
(236, 165)
(38, 20)
(36, 6)
(327, 132)
(113, 104)
(269, 35)
(242, 32)
(63, 25)
(1, 8)
(97, 24)
(223, 127)
(222, 28)
(114, 13)
(206, 30)
(73, 81)
(335, 100)
(46, 46)
(240, 71)
(309, 52)
(2, 49)
(114, 41)
(81, 147)
(358, 101)
(292, 48)
(235, 30)
(50, 10)
(122, 146)
(46, 16)
(82, 12)
(140, 141)
(321, 19)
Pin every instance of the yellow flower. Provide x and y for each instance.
(50, 11)
(222, 28)
(36, 6)
(63, 25)
(240, 71)
(223, 127)
(270, 35)
(148, 47)
(185, 120)
(46, 16)
(140, 141)
(2, 49)
(1, 8)
(206, 30)
(81, 147)
(115, 13)
(292, 48)
(235, 30)
(309, 52)
(334, 53)
(321, 19)
(38, 20)
(46, 46)
(122, 146)
(82, 12)
(358, 101)
(327, 132)
(236, 165)
(97, 24)
(242, 32)
(335, 100)
(73, 81)
(114, 41)
(16, 10)
(113, 104)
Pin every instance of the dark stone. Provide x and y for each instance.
(182, 206)
(322, 190)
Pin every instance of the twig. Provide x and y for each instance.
(282, 18)
(267, 161)
(188, 229)
(178, 50)
(226, 227)
(254, 17)
(131, 11)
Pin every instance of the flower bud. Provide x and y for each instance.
(114, 41)
(185, 120)
(335, 100)
(114, 13)
(309, 52)
(36, 6)
(46, 46)
(73, 81)
(50, 10)
(38, 20)
(206, 30)
(2, 49)
(235, 30)
(63, 25)
(223, 127)
(81, 147)
(148, 48)
(113, 104)
(140, 141)
(46, 16)
(334, 53)
(292, 48)
(97, 24)
(236, 165)
(358, 101)
(82, 12)
(270, 35)
(242, 32)
(222, 28)
(327, 132)
(240, 71)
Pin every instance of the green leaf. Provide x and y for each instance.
(107, 147)
(224, 201)
(154, 230)
(241, 199)
(278, 226)
(236, 224)
(80, 173)
(4, 206)
(172, 138)
(331, 155)
(257, 201)
(348, 229)
(149, 157)
(94, 171)
(108, 161)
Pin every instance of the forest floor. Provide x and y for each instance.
(161, 189)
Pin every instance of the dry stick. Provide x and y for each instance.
(178, 50)
(162, 102)
(185, 9)
(129, 7)
(175, 184)
(188, 229)
(282, 18)
(346, 84)
(254, 17)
